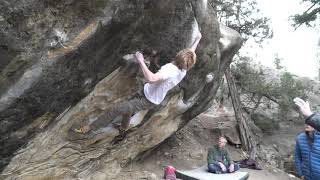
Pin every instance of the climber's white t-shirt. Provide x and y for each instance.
(171, 75)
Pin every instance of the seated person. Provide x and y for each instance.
(219, 160)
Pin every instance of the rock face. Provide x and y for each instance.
(63, 68)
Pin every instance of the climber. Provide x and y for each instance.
(219, 160)
(155, 90)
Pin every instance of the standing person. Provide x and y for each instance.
(154, 91)
(307, 154)
(312, 119)
(219, 160)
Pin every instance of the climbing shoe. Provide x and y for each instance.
(82, 130)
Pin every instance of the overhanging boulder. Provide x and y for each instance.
(79, 80)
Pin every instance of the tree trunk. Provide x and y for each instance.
(247, 138)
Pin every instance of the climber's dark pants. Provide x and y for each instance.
(126, 109)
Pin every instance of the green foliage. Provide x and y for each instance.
(281, 89)
(309, 16)
(266, 124)
(288, 89)
(244, 17)
(251, 78)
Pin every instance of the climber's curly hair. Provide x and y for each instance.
(185, 59)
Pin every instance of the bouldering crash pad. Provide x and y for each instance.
(203, 174)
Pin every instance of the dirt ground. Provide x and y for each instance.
(187, 149)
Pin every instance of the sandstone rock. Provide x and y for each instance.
(86, 74)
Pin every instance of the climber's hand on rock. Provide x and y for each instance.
(139, 56)
(199, 35)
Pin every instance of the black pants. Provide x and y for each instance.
(126, 109)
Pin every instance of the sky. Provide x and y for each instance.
(298, 49)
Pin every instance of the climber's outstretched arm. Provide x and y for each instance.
(196, 42)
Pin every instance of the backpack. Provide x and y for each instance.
(169, 173)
